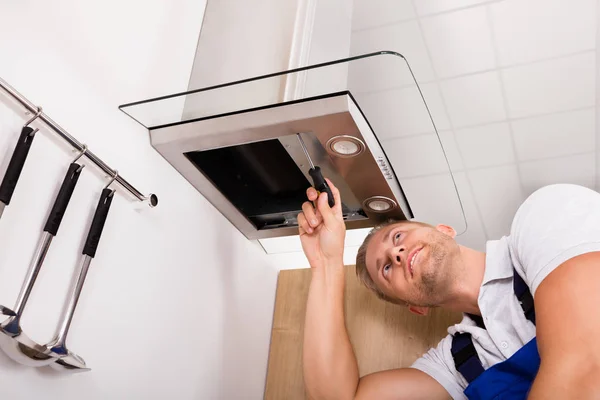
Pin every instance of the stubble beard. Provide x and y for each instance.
(438, 275)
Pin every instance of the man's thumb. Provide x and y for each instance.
(323, 207)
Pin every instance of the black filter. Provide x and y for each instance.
(258, 178)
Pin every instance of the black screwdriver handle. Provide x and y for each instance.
(93, 238)
(62, 199)
(321, 184)
(15, 166)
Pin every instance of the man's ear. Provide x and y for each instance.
(419, 310)
(447, 230)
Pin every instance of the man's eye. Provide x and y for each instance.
(386, 269)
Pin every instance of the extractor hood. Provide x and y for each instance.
(237, 143)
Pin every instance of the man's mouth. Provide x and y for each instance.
(412, 260)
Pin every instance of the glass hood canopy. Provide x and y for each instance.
(383, 88)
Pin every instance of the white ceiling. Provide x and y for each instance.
(511, 85)
(514, 88)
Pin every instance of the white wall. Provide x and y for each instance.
(178, 304)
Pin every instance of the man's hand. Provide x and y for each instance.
(322, 230)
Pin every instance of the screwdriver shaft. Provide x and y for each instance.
(305, 151)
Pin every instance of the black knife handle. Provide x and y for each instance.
(7, 311)
(15, 166)
(62, 199)
(93, 238)
(321, 185)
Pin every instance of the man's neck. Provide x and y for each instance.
(468, 284)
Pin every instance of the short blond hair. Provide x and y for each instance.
(361, 261)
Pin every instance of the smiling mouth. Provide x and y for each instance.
(411, 261)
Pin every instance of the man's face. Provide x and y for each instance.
(415, 263)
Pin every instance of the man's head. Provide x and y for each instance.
(407, 262)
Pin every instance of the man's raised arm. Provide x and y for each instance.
(330, 367)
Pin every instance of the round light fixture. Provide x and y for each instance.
(345, 146)
(379, 204)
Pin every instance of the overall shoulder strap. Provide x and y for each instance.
(465, 356)
(463, 351)
(524, 296)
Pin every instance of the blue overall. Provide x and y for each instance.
(508, 380)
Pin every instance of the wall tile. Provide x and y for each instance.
(486, 145)
(531, 30)
(474, 99)
(497, 192)
(373, 13)
(549, 86)
(459, 42)
(555, 134)
(578, 169)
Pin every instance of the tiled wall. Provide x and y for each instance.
(511, 86)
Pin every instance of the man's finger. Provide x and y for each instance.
(310, 214)
(327, 212)
(303, 226)
(312, 194)
(336, 196)
(318, 214)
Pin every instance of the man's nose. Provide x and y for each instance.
(397, 253)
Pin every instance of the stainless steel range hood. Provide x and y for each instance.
(251, 167)
(236, 143)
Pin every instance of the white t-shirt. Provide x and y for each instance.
(555, 224)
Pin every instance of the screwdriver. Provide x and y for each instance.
(317, 176)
